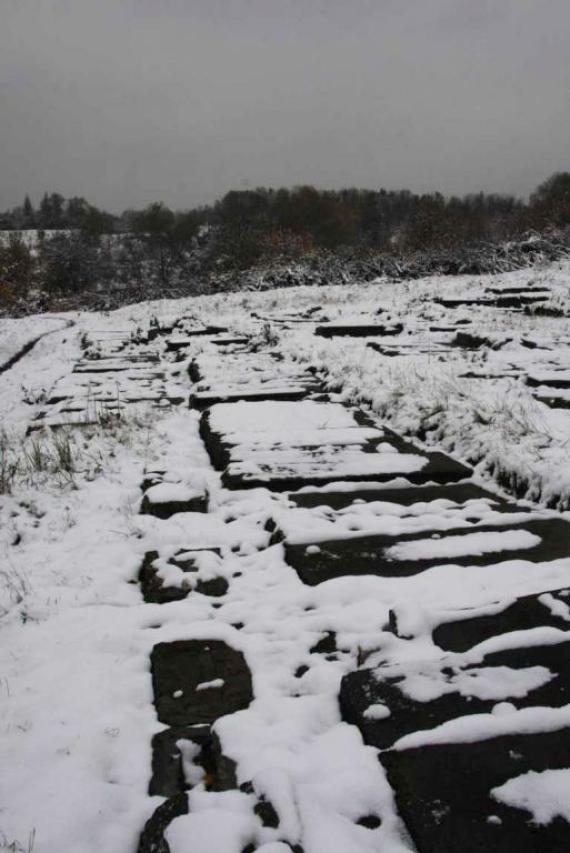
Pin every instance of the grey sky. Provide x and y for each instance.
(128, 101)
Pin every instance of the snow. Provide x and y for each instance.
(471, 544)
(490, 682)
(76, 714)
(544, 794)
(476, 727)
(167, 492)
(229, 418)
(211, 685)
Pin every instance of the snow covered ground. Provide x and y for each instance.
(76, 695)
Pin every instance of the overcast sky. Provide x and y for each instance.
(129, 101)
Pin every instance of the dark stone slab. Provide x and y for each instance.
(358, 331)
(439, 468)
(204, 399)
(200, 331)
(517, 301)
(167, 768)
(194, 372)
(164, 509)
(471, 341)
(519, 289)
(450, 328)
(524, 613)
(367, 687)
(214, 587)
(154, 591)
(182, 666)
(152, 839)
(220, 447)
(326, 645)
(365, 555)
(458, 492)
(552, 381)
(167, 778)
(553, 401)
(228, 340)
(152, 587)
(443, 794)
(461, 301)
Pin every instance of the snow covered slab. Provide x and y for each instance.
(282, 470)
(114, 365)
(391, 702)
(405, 349)
(402, 494)
(456, 798)
(198, 681)
(550, 608)
(186, 339)
(168, 778)
(288, 445)
(358, 330)
(554, 399)
(215, 368)
(255, 418)
(165, 499)
(552, 378)
(408, 554)
(251, 392)
(166, 579)
(310, 526)
(188, 329)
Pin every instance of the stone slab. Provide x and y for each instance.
(361, 689)
(443, 794)
(524, 613)
(406, 495)
(180, 667)
(358, 330)
(370, 555)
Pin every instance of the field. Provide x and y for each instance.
(295, 559)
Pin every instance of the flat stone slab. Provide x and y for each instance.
(166, 499)
(443, 793)
(550, 608)
(198, 681)
(553, 400)
(388, 703)
(152, 838)
(229, 340)
(550, 378)
(288, 445)
(468, 301)
(252, 393)
(401, 556)
(244, 368)
(168, 778)
(180, 575)
(358, 330)
(406, 495)
(395, 350)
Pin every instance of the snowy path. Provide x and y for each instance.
(272, 623)
(28, 345)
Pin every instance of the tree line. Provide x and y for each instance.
(79, 246)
